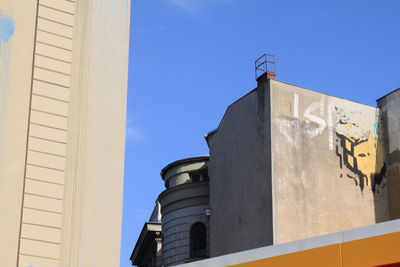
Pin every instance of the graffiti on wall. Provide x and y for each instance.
(313, 124)
(357, 150)
(358, 147)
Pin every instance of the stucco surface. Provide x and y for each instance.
(288, 163)
(390, 125)
(63, 85)
(17, 30)
(240, 176)
(324, 164)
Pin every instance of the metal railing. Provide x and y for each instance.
(263, 64)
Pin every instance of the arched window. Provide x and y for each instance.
(198, 240)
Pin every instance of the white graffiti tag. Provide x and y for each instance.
(312, 126)
(320, 123)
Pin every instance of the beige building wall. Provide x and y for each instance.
(310, 164)
(326, 157)
(16, 56)
(63, 105)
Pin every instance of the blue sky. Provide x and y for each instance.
(189, 59)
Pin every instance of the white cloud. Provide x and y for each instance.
(186, 5)
(133, 132)
(192, 5)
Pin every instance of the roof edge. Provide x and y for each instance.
(141, 239)
(395, 90)
(181, 161)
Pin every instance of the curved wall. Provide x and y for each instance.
(176, 233)
(183, 204)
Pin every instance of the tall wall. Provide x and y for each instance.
(43, 199)
(95, 153)
(240, 176)
(389, 107)
(63, 122)
(326, 162)
(17, 33)
(287, 163)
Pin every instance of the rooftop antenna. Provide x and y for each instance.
(265, 67)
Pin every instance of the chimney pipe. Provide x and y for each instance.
(266, 76)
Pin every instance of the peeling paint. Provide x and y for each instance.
(358, 146)
(7, 27)
(359, 150)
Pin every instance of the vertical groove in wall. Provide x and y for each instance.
(76, 129)
(43, 192)
(271, 140)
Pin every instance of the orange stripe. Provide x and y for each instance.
(328, 256)
(372, 251)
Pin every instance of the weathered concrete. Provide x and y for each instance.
(324, 164)
(389, 107)
(240, 176)
(320, 175)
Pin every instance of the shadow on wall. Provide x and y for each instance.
(389, 130)
(379, 178)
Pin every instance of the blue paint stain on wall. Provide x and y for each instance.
(7, 27)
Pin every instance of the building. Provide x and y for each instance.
(180, 214)
(63, 85)
(287, 163)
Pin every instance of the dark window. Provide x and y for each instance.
(198, 240)
(195, 177)
(199, 177)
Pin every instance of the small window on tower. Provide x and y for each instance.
(195, 177)
(198, 240)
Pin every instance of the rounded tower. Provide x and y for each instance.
(185, 211)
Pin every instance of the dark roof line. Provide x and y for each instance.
(395, 90)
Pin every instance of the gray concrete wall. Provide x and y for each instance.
(176, 233)
(240, 177)
(389, 107)
(326, 158)
(183, 203)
